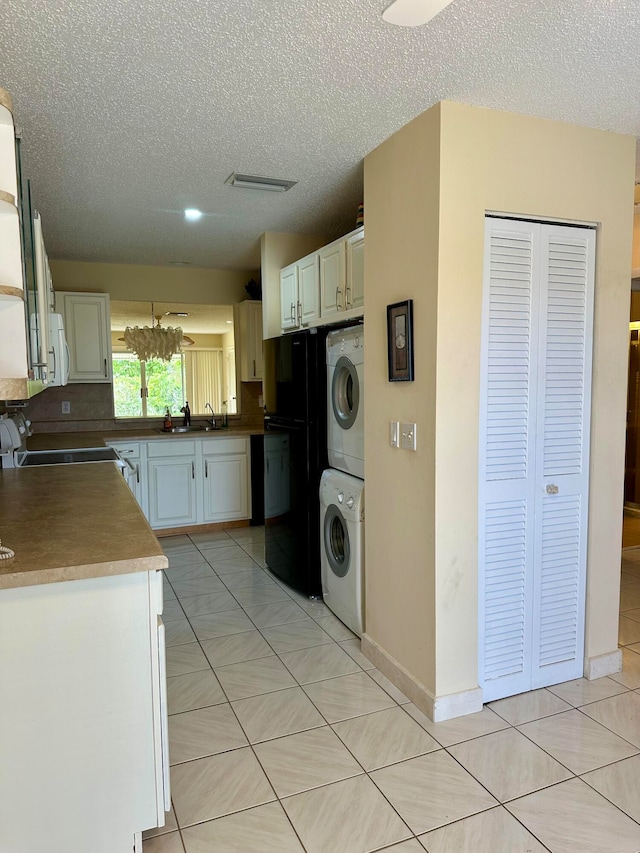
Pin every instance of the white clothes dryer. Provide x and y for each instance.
(345, 400)
(342, 547)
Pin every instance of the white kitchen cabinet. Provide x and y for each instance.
(333, 280)
(299, 293)
(289, 297)
(87, 327)
(135, 472)
(248, 339)
(227, 487)
(324, 287)
(171, 475)
(83, 714)
(354, 291)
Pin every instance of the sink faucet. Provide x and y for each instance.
(212, 419)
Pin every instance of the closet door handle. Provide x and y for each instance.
(347, 299)
(193, 470)
(106, 375)
(137, 473)
(254, 367)
(206, 468)
(299, 313)
(291, 317)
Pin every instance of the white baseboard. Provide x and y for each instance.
(601, 665)
(437, 708)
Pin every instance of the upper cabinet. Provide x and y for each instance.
(324, 287)
(87, 326)
(23, 349)
(248, 340)
(299, 293)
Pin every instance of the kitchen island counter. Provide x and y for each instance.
(71, 522)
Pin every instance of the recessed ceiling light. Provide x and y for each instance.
(229, 321)
(176, 313)
(413, 13)
(179, 263)
(256, 182)
(192, 214)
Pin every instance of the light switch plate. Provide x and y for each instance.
(394, 433)
(408, 436)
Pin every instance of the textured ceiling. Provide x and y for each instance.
(202, 319)
(133, 109)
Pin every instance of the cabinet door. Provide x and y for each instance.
(354, 293)
(255, 339)
(226, 488)
(247, 317)
(86, 319)
(308, 290)
(172, 491)
(332, 279)
(288, 297)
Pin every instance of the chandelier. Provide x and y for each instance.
(153, 341)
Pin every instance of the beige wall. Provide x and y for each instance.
(485, 161)
(162, 284)
(277, 250)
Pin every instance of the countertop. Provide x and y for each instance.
(67, 440)
(68, 522)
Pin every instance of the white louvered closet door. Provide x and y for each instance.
(534, 451)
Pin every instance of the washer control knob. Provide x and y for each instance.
(350, 502)
(340, 497)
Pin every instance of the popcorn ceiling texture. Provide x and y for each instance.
(131, 111)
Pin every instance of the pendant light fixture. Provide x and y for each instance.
(154, 341)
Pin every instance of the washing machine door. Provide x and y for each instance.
(345, 393)
(337, 547)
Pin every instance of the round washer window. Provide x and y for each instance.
(336, 541)
(345, 393)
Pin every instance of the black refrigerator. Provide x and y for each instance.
(295, 455)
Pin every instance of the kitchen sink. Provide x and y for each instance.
(194, 428)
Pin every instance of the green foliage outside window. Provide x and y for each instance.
(163, 380)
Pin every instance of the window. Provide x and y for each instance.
(145, 389)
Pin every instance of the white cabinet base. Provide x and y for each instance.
(79, 716)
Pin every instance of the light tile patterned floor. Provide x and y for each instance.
(284, 738)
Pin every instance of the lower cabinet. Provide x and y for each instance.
(226, 479)
(180, 482)
(83, 714)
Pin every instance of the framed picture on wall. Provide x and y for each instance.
(400, 341)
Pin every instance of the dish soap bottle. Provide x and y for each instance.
(167, 420)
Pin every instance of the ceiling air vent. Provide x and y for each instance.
(255, 182)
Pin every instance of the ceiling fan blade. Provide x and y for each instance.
(413, 13)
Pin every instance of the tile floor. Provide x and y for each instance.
(284, 738)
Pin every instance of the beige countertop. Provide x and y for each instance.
(67, 522)
(67, 440)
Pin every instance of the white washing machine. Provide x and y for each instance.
(342, 547)
(345, 400)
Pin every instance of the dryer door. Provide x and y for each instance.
(345, 393)
(336, 541)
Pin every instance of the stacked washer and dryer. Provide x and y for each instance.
(342, 485)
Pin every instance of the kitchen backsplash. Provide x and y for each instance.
(92, 409)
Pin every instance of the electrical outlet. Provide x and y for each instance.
(408, 436)
(66, 408)
(394, 433)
